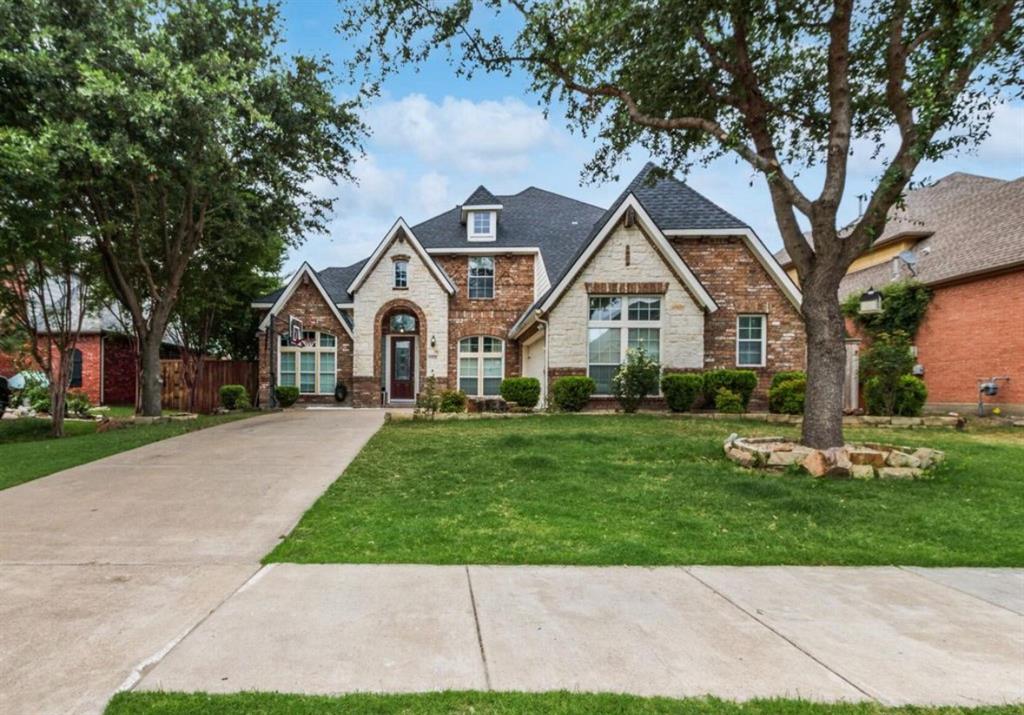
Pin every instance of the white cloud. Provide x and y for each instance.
(432, 193)
(487, 136)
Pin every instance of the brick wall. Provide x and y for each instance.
(513, 294)
(740, 284)
(309, 306)
(973, 330)
(120, 367)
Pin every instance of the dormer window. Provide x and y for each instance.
(480, 215)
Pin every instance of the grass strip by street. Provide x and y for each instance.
(485, 703)
(651, 490)
(27, 451)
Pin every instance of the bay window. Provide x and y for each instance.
(612, 331)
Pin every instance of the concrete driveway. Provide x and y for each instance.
(104, 565)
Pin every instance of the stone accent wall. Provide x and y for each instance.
(740, 284)
(513, 294)
(682, 319)
(309, 306)
(424, 293)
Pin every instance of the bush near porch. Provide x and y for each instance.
(653, 490)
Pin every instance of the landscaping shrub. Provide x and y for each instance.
(524, 391)
(681, 390)
(572, 393)
(77, 403)
(635, 379)
(428, 402)
(453, 401)
(905, 400)
(286, 395)
(785, 375)
(740, 382)
(787, 397)
(728, 401)
(36, 394)
(231, 394)
(882, 368)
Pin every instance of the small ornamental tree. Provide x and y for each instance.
(635, 379)
(783, 86)
(881, 367)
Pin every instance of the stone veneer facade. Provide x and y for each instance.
(628, 262)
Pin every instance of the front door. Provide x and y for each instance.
(402, 379)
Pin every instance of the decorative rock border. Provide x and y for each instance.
(867, 460)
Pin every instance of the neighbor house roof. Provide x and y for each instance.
(970, 225)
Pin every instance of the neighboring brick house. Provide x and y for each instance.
(964, 238)
(541, 285)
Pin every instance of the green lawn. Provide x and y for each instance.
(27, 451)
(480, 703)
(651, 490)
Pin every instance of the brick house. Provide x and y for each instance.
(964, 238)
(541, 285)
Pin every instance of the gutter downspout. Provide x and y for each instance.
(546, 355)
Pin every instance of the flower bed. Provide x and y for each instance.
(867, 460)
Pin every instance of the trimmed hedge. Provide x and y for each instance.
(681, 390)
(740, 382)
(728, 401)
(787, 397)
(524, 391)
(453, 401)
(232, 395)
(786, 375)
(287, 395)
(572, 393)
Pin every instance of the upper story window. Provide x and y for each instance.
(480, 225)
(481, 277)
(401, 274)
(750, 340)
(310, 366)
(616, 324)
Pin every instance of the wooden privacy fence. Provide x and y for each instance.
(174, 393)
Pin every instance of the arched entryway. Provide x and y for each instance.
(400, 353)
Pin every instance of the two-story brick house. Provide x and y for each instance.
(536, 284)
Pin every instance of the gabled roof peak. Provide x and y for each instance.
(481, 197)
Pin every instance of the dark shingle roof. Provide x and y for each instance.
(335, 281)
(481, 197)
(533, 218)
(674, 205)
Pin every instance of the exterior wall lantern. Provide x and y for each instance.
(433, 341)
(871, 302)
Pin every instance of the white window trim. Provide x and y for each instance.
(472, 235)
(479, 355)
(624, 324)
(764, 339)
(494, 276)
(405, 274)
(317, 351)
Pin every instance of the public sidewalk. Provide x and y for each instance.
(894, 635)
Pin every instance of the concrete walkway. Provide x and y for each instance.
(888, 634)
(104, 565)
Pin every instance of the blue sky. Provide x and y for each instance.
(436, 137)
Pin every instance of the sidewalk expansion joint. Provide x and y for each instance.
(959, 590)
(479, 635)
(786, 638)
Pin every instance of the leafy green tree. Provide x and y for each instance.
(882, 367)
(168, 117)
(783, 85)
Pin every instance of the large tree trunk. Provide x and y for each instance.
(58, 404)
(826, 362)
(150, 377)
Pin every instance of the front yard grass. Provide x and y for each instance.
(650, 490)
(481, 703)
(27, 451)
